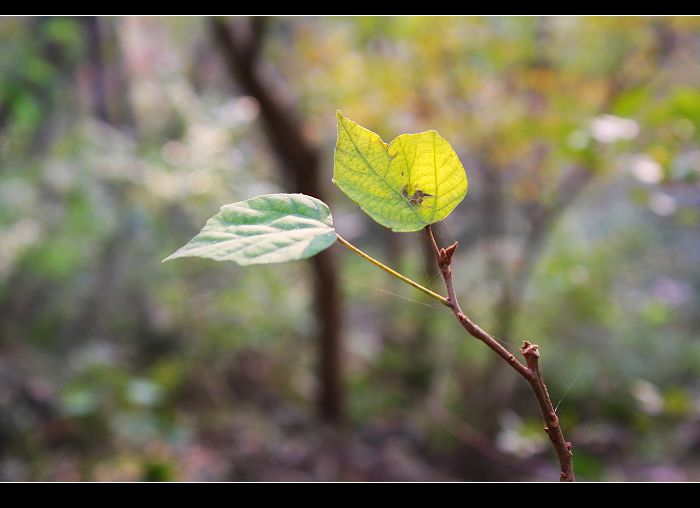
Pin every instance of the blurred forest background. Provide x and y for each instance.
(119, 137)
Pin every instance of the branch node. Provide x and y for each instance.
(444, 256)
(553, 420)
(442, 261)
(449, 252)
(530, 350)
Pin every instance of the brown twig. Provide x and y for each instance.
(530, 371)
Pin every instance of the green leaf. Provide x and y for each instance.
(266, 229)
(414, 181)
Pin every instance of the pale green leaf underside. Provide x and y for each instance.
(266, 229)
(414, 181)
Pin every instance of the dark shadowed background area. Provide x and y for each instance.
(119, 137)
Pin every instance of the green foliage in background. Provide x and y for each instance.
(106, 355)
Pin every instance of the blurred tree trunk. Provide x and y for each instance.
(240, 43)
(109, 81)
(98, 86)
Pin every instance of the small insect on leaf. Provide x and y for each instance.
(417, 197)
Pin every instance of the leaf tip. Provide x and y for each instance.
(341, 118)
(172, 256)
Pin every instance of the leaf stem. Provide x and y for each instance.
(396, 274)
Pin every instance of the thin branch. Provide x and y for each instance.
(444, 259)
(530, 371)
